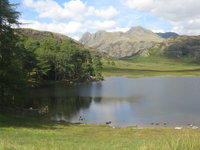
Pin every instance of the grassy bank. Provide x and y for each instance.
(18, 133)
(151, 66)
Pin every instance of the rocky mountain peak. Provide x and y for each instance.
(136, 29)
(121, 44)
(86, 37)
(138, 32)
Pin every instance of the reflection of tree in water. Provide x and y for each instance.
(61, 103)
(97, 99)
(62, 107)
(24, 100)
(68, 107)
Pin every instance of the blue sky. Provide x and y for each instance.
(74, 17)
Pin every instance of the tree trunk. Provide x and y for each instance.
(1, 18)
(2, 95)
(55, 74)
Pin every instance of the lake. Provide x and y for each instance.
(151, 101)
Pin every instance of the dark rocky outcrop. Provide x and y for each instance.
(183, 46)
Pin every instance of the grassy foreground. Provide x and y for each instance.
(18, 133)
(151, 66)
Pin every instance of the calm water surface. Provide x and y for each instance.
(124, 101)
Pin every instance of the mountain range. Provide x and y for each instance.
(135, 42)
(123, 44)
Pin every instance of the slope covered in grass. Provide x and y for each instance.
(151, 66)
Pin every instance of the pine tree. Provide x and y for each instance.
(10, 63)
(8, 16)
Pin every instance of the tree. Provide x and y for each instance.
(50, 59)
(11, 65)
(98, 66)
(8, 16)
(42, 68)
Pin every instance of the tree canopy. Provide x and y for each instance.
(62, 60)
(24, 60)
(11, 70)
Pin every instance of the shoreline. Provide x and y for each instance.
(43, 118)
(158, 126)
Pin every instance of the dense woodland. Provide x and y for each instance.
(24, 61)
(59, 60)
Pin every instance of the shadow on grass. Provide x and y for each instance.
(17, 121)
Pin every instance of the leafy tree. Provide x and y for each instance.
(11, 65)
(22, 58)
(8, 16)
(41, 69)
(113, 63)
(60, 60)
(98, 66)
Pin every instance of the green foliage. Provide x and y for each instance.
(61, 60)
(113, 63)
(97, 65)
(23, 59)
(12, 54)
(8, 15)
(41, 69)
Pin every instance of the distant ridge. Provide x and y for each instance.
(38, 35)
(167, 34)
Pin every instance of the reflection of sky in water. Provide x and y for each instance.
(131, 101)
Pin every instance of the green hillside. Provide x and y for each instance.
(177, 56)
(38, 35)
(151, 66)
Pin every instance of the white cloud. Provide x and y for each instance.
(74, 9)
(75, 37)
(108, 13)
(190, 27)
(116, 29)
(64, 28)
(182, 14)
(71, 18)
(50, 9)
(98, 25)
(158, 30)
(71, 28)
(140, 4)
